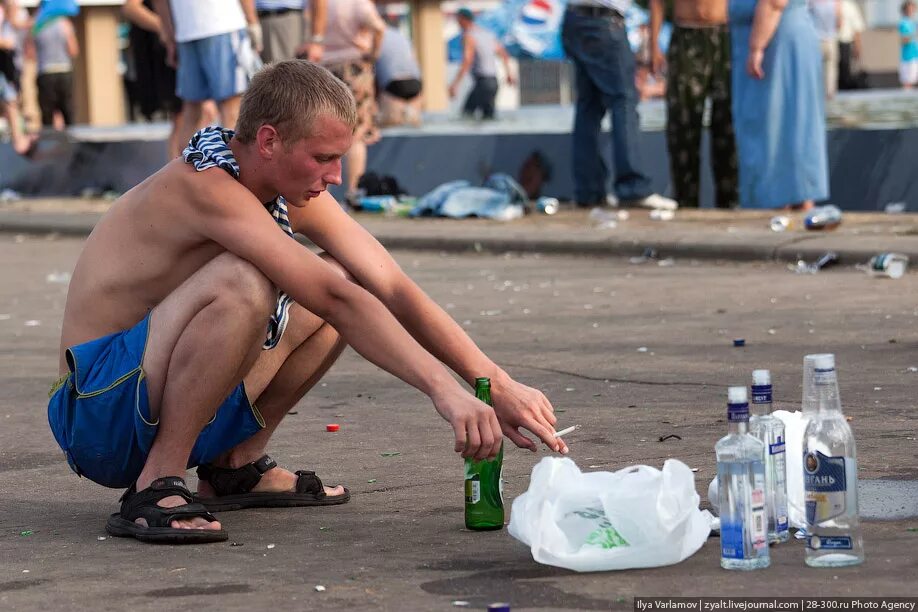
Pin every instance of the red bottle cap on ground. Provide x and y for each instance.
(332, 427)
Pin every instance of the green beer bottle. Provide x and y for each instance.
(484, 504)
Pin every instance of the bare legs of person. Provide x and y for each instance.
(196, 115)
(800, 206)
(230, 295)
(208, 116)
(23, 143)
(356, 165)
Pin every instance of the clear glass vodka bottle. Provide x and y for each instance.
(830, 478)
(741, 484)
(770, 430)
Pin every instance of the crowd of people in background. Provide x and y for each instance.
(763, 67)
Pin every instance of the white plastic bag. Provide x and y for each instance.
(636, 517)
(794, 428)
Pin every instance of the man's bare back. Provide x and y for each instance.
(699, 13)
(137, 255)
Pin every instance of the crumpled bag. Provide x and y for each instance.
(500, 198)
(794, 429)
(636, 517)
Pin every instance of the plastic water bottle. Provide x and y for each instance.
(889, 265)
(770, 430)
(741, 485)
(830, 478)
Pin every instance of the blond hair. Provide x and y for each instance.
(290, 95)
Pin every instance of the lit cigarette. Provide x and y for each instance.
(566, 431)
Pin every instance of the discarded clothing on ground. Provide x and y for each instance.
(500, 198)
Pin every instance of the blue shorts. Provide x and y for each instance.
(100, 412)
(215, 68)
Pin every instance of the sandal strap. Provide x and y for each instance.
(143, 504)
(308, 482)
(231, 481)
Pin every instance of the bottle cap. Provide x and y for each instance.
(739, 342)
(824, 361)
(761, 377)
(332, 427)
(736, 395)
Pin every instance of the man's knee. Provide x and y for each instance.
(244, 284)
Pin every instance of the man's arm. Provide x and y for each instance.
(248, 231)
(139, 15)
(764, 23)
(468, 54)
(73, 45)
(166, 30)
(516, 405)
(252, 25)
(657, 60)
(317, 16)
(505, 57)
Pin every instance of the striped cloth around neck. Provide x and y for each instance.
(209, 148)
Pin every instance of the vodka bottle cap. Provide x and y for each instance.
(737, 395)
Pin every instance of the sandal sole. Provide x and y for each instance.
(244, 501)
(123, 528)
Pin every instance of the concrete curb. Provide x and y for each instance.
(705, 245)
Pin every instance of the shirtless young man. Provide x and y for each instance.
(698, 63)
(163, 349)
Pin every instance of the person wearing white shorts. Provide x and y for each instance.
(214, 45)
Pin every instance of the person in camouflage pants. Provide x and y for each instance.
(699, 68)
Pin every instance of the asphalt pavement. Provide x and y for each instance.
(631, 352)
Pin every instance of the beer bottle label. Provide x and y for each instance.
(472, 491)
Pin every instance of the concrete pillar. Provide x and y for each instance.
(98, 86)
(430, 47)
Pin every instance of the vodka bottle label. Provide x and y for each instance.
(759, 525)
(761, 394)
(829, 542)
(825, 483)
(778, 456)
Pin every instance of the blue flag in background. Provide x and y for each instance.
(532, 29)
(49, 10)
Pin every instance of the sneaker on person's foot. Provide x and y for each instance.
(653, 201)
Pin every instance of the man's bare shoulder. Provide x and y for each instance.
(206, 192)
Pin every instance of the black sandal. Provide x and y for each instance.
(142, 504)
(233, 488)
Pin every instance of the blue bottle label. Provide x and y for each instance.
(825, 483)
(815, 542)
(738, 413)
(731, 540)
(761, 394)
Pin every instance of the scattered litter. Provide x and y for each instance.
(648, 254)
(658, 214)
(913, 369)
(827, 259)
(323, 528)
(32, 323)
(780, 223)
(101, 538)
(237, 544)
(320, 588)
(548, 206)
(888, 265)
(823, 218)
(670, 436)
(739, 342)
(58, 277)
(569, 388)
(772, 332)
(390, 454)
(27, 532)
(332, 427)
(665, 263)
(461, 604)
(893, 208)
(270, 546)
(25, 571)
(878, 388)
(603, 219)
(642, 349)
(694, 469)
(371, 481)
(9, 195)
